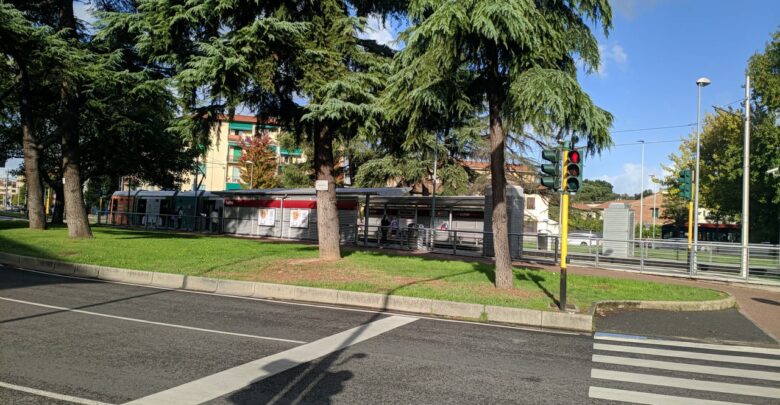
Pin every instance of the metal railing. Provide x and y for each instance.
(714, 259)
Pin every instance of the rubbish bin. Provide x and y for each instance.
(414, 236)
(541, 241)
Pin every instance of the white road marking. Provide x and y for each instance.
(236, 378)
(712, 386)
(688, 355)
(690, 368)
(78, 311)
(301, 304)
(648, 398)
(693, 345)
(52, 395)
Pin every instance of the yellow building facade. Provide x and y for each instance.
(221, 167)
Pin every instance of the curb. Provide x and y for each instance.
(412, 305)
(716, 305)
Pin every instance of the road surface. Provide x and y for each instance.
(68, 340)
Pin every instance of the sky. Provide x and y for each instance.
(651, 59)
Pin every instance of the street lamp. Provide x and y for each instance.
(701, 82)
(642, 191)
(251, 173)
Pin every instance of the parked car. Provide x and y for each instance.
(584, 239)
(671, 243)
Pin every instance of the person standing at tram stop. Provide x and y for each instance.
(384, 223)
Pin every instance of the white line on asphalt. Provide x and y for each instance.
(690, 368)
(648, 398)
(711, 386)
(171, 325)
(52, 395)
(236, 378)
(693, 345)
(688, 355)
(312, 305)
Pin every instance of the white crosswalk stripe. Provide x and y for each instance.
(655, 371)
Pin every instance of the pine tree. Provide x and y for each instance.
(517, 57)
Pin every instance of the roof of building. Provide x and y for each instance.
(251, 119)
(380, 191)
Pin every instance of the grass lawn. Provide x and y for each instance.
(296, 263)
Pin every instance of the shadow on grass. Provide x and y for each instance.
(534, 277)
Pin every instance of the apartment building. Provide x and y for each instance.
(221, 169)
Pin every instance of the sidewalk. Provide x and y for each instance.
(760, 304)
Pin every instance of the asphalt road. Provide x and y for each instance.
(66, 340)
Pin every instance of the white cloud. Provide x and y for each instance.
(611, 55)
(629, 182)
(379, 30)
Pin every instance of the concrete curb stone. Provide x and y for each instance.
(234, 287)
(457, 309)
(137, 277)
(715, 305)
(203, 284)
(64, 268)
(86, 270)
(519, 316)
(408, 304)
(9, 259)
(111, 273)
(565, 320)
(36, 263)
(359, 299)
(274, 291)
(167, 280)
(320, 295)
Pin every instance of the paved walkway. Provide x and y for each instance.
(760, 304)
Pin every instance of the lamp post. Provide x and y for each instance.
(642, 191)
(251, 173)
(746, 185)
(701, 82)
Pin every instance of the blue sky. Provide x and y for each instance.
(650, 62)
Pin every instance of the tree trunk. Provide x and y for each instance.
(498, 176)
(32, 175)
(75, 210)
(327, 212)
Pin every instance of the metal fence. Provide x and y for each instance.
(656, 256)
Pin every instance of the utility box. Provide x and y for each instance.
(515, 210)
(618, 231)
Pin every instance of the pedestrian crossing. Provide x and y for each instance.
(641, 370)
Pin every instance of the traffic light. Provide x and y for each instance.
(572, 173)
(685, 182)
(551, 172)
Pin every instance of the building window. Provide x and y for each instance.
(530, 203)
(655, 212)
(529, 227)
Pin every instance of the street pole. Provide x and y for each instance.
(701, 82)
(655, 214)
(435, 179)
(642, 192)
(564, 246)
(746, 184)
(564, 228)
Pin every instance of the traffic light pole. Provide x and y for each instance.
(564, 246)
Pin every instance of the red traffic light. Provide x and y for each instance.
(574, 156)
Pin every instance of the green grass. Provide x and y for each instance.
(12, 214)
(293, 263)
